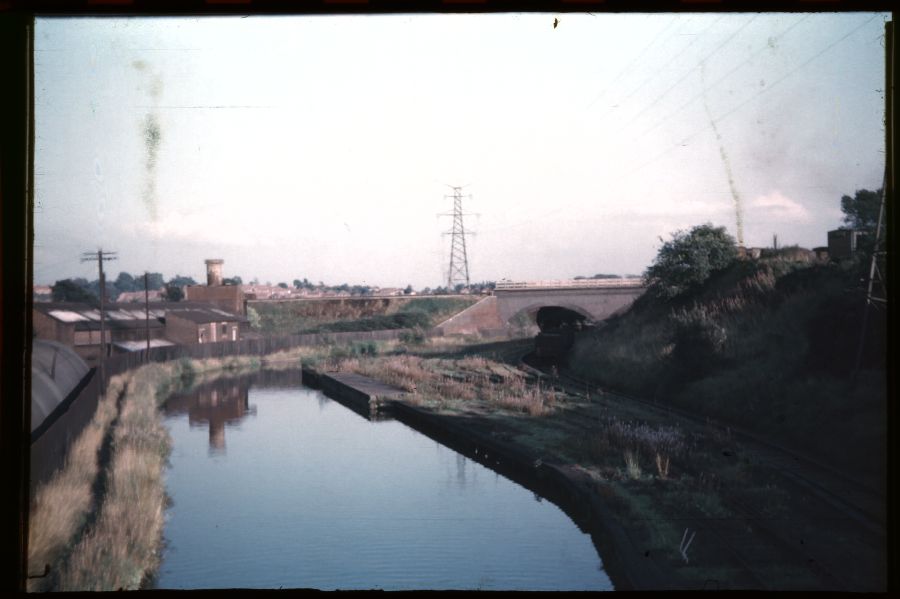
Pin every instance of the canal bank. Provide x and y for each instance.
(575, 491)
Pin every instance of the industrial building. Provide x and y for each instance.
(226, 297)
(127, 326)
(189, 326)
(842, 243)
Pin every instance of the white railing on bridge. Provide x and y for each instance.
(568, 284)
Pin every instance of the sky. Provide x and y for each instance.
(326, 147)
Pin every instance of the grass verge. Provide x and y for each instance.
(111, 540)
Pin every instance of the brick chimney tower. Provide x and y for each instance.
(214, 272)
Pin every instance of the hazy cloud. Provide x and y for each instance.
(777, 205)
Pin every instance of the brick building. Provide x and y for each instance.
(190, 326)
(78, 325)
(227, 297)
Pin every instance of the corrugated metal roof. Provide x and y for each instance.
(141, 345)
(55, 371)
(67, 315)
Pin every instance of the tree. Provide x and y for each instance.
(154, 281)
(68, 290)
(408, 290)
(180, 281)
(283, 285)
(232, 281)
(174, 293)
(688, 259)
(861, 211)
(126, 282)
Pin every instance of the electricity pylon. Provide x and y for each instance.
(459, 261)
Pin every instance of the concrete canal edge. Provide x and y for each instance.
(580, 497)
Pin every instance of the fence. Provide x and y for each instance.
(49, 449)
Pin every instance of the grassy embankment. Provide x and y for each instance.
(357, 314)
(98, 521)
(769, 345)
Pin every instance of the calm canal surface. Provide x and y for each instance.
(276, 485)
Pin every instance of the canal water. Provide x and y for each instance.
(275, 485)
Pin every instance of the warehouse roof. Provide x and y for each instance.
(56, 371)
(119, 316)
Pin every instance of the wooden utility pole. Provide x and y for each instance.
(101, 257)
(147, 313)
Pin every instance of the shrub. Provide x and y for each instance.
(699, 341)
(688, 259)
(414, 336)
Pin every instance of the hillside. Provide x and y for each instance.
(769, 345)
(354, 314)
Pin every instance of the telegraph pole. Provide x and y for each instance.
(101, 257)
(147, 313)
(459, 262)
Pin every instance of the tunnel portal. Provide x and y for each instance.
(551, 318)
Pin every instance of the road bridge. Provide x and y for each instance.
(586, 300)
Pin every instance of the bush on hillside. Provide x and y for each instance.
(688, 260)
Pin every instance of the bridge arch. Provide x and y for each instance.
(531, 312)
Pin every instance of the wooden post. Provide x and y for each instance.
(147, 313)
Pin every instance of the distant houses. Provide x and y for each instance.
(153, 295)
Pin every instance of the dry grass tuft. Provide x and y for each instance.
(632, 464)
(122, 547)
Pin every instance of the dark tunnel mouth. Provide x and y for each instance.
(550, 318)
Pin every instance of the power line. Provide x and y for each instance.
(729, 39)
(750, 99)
(669, 116)
(674, 57)
(627, 67)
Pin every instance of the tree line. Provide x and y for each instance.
(79, 289)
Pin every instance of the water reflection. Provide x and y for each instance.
(225, 402)
(311, 495)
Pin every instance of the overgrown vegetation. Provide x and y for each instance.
(658, 475)
(474, 382)
(768, 345)
(689, 259)
(354, 314)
